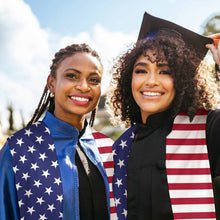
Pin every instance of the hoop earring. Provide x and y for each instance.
(51, 95)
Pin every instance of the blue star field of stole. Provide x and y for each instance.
(121, 150)
(37, 174)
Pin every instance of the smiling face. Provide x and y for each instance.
(77, 86)
(152, 85)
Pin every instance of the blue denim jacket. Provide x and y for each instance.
(65, 138)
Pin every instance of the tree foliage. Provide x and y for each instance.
(212, 26)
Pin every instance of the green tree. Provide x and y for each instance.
(11, 119)
(212, 26)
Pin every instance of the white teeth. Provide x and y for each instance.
(152, 93)
(81, 99)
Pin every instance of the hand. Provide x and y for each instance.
(215, 49)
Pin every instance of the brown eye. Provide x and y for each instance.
(95, 81)
(140, 71)
(165, 72)
(71, 75)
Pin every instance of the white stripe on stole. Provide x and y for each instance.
(104, 145)
(188, 169)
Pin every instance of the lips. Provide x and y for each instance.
(152, 93)
(80, 99)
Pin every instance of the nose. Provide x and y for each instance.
(82, 85)
(152, 79)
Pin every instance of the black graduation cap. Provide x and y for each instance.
(151, 24)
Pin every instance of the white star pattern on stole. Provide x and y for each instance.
(121, 163)
(34, 166)
(39, 186)
(37, 183)
(42, 217)
(117, 201)
(28, 132)
(42, 156)
(28, 193)
(15, 169)
(20, 142)
(123, 144)
(45, 173)
(40, 200)
(31, 149)
(121, 149)
(51, 207)
(13, 152)
(25, 176)
(18, 186)
(119, 182)
(23, 159)
(51, 147)
(54, 164)
(31, 210)
(60, 198)
(37, 123)
(20, 203)
(39, 139)
(124, 212)
(47, 130)
(57, 181)
(48, 190)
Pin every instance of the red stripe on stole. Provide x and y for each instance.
(194, 215)
(179, 141)
(187, 156)
(108, 164)
(188, 171)
(104, 150)
(199, 112)
(189, 127)
(182, 186)
(110, 178)
(98, 135)
(182, 201)
(113, 209)
(111, 195)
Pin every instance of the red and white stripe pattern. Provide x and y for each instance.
(104, 144)
(188, 169)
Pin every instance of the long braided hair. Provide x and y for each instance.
(47, 101)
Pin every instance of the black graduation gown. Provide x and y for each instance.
(148, 195)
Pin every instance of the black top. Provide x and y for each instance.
(92, 192)
(147, 187)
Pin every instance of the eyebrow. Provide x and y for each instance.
(146, 64)
(72, 69)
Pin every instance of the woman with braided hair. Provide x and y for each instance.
(55, 168)
(167, 163)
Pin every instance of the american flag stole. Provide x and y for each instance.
(188, 169)
(37, 174)
(104, 144)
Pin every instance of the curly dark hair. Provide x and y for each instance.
(47, 102)
(192, 90)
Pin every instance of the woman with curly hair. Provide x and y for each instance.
(55, 167)
(167, 162)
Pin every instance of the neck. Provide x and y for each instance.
(75, 120)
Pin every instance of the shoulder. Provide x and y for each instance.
(5, 156)
(213, 121)
(213, 129)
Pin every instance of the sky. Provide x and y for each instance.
(31, 31)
